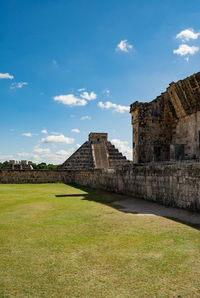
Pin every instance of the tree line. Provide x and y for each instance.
(39, 166)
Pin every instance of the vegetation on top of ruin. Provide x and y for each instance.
(2, 164)
(43, 166)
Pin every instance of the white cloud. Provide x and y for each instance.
(62, 155)
(86, 118)
(89, 96)
(43, 155)
(124, 46)
(18, 85)
(70, 100)
(114, 106)
(123, 147)
(23, 154)
(56, 133)
(40, 150)
(81, 89)
(187, 34)
(76, 130)
(38, 155)
(60, 139)
(184, 50)
(27, 134)
(106, 91)
(44, 131)
(6, 76)
(62, 152)
(55, 63)
(29, 156)
(6, 157)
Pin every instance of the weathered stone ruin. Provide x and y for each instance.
(17, 165)
(168, 128)
(96, 153)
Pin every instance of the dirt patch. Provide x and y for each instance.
(142, 208)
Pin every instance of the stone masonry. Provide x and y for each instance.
(18, 165)
(96, 153)
(175, 184)
(168, 128)
(34, 176)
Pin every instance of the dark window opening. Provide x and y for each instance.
(199, 139)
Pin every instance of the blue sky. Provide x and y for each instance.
(71, 67)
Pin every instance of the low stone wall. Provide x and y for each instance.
(175, 185)
(34, 176)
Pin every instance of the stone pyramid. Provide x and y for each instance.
(96, 153)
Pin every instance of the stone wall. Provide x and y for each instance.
(188, 132)
(34, 176)
(172, 118)
(175, 185)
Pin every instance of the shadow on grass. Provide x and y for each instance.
(133, 205)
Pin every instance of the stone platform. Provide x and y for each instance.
(96, 153)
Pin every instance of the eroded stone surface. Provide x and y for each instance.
(176, 185)
(173, 118)
(18, 165)
(35, 176)
(96, 153)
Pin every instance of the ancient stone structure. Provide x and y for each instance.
(170, 184)
(17, 165)
(96, 153)
(168, 128)
(175, 184)
(34, 176)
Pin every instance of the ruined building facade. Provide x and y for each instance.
(17, 165)
(168, 128)
(96, 153)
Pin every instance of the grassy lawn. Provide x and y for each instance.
(58, 240)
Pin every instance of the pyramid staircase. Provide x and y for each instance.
(96, 153)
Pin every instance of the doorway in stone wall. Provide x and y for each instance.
(157, 153)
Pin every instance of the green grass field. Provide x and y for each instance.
(58, 240)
